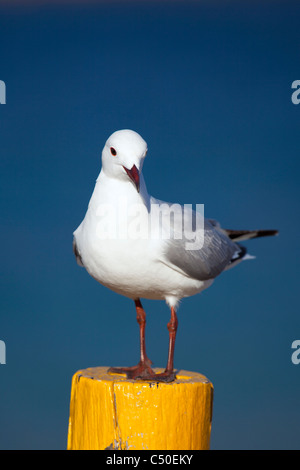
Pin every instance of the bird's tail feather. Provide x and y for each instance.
(242, 235)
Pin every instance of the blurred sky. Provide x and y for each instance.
(208, 86)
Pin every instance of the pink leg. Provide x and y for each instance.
(143, 368)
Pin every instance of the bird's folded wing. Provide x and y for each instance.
(195, 247)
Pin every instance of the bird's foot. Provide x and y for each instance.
(143, 369)
(166, 377)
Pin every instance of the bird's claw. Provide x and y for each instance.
(165, 377)
(143, 371)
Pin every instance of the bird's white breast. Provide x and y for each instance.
(118, 252)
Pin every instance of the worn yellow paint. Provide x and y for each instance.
(112, 412)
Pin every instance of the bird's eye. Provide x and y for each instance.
(113, 151)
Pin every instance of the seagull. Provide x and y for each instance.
(139, 246)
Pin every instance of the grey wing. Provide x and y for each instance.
(215, 253)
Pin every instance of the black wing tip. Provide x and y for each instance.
(248, 234)
(238, 255)
(267, 233)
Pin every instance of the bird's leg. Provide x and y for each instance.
(172, 327)
(141, 319)
(143, 369)
(168, 375)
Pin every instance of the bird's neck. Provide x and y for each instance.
(112, 191)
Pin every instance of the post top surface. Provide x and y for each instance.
(182, 377)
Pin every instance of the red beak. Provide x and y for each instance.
(134, 176)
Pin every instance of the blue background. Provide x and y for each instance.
(208, 86)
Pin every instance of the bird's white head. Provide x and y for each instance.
(123, 156)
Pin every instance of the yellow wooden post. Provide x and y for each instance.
(112, 412)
